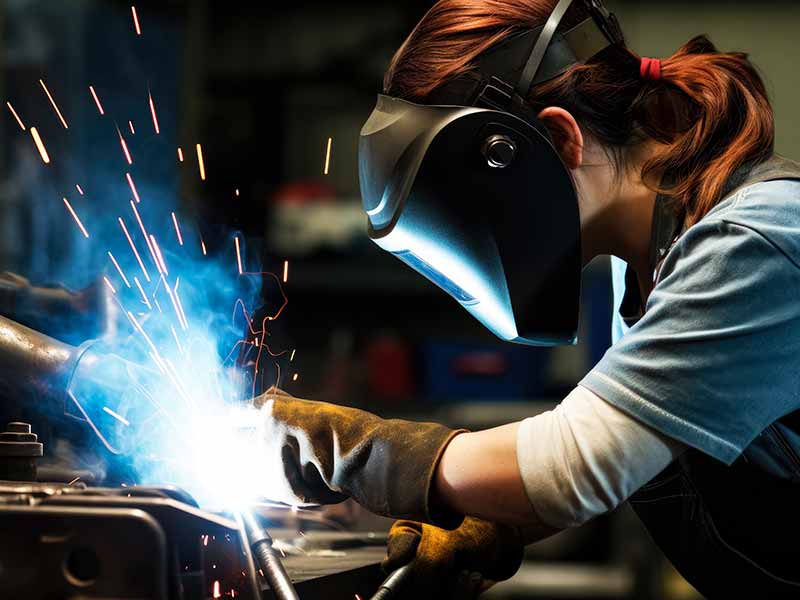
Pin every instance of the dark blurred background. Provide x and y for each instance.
(263, 86)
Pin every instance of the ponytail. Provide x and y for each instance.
(723, 121)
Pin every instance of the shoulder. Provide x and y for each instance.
(770, 210)
(756, 228)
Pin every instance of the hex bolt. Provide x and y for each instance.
(19, 449)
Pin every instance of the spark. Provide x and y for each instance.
(132, 186)
(40, 146)
(108, 283)
(238, 255)
(55, 107)
(291, 358)
(77, 220)
(146, 337)
(80, 191)
(295, 376)
(285, 271)
(145, 235)
(182, 315)
(130, 126)
(136, 21)
(200, 162)
(158, 362)
(159, 257)
(216, 589)
(127, 157)
(76, 480)
(118, 417)
(97, 101)
(203, 247)
(177, 341)
(177, 229)
(135, 251)
(155, 118)
(237, 192)
(180, 154)
(119, 269)
(328, 156)
(171, 295)
(158, 306)
(141, 291)
(205, 540)
(358, 597)
(16, 116)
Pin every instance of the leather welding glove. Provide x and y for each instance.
(461, 563)
(323, 453)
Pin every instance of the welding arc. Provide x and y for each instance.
(268, 560)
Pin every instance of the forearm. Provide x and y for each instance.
(479, 475)
(566, 466)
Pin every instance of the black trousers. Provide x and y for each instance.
(731, 531)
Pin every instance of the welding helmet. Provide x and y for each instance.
(469, 190)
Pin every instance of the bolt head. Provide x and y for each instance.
(499, 151)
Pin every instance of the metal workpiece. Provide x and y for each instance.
(153, 542)
(19, 449)
(113, 543)
(34, 366)
(67, 315)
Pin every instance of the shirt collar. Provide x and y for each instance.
(666, 225)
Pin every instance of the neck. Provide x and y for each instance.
(616, 214)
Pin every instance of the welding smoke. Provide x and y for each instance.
(170, 387)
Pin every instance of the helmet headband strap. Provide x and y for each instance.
(542, 43)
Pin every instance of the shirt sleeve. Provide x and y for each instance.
(586, 457)
(716, 357)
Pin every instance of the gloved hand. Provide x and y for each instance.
(461, 563)
(322, 453)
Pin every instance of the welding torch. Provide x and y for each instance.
(269, 562)
(393, 583)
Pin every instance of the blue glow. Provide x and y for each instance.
(169, 385)
(469, 273)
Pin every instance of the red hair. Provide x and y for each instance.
(709, 109)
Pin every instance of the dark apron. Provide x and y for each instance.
(732, 531)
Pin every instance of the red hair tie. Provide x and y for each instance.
(650, 69)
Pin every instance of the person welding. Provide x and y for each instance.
(515, 141)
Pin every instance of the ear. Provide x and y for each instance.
(566, 135)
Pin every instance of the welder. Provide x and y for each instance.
(516, 141)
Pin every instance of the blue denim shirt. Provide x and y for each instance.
(716, 357)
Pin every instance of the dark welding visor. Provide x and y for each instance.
(503, 241)
(470, 192)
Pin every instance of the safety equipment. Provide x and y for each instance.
(460, 563)
(319, 453)
(469, 190)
